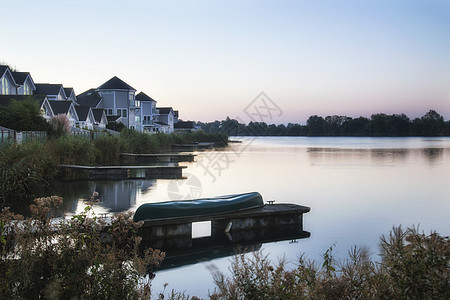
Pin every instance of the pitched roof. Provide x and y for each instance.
(47, 89)
(20, 77)
(82, 112)
(89, 98)
(113, 118)
(164, 110)
(161, 124)
(3, 70)
(143, 97)
(6, 99)
(98, 113)
(68, 91)
(116, 83)
(60, 107)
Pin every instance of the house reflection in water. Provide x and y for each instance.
(117, 196)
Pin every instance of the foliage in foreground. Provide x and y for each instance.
(413, 266)
(80, 258)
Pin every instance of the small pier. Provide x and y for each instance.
(193, 146)
(160, 157)
(126, 172)
(268, 216)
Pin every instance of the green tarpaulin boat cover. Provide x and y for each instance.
(198, 207)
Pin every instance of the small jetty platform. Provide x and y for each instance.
(160, 157)
(193, 146)
(268, 216)
(126, 172)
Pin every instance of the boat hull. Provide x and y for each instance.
(198, 207)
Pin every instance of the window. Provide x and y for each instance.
(5, 89)
(137, 119)
(119, 112)
(124, 113)
(110, 111)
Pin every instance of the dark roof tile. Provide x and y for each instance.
(82, 112)
(116, 83)
(60, 107)
(143, 97)
(164, 110)
(89, 98)
(98, 113)
(47, 89)
(20, 77)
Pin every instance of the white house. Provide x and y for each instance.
(25, 84)
(8, 85)
(148, 112)
(119, 100)
(166, 115)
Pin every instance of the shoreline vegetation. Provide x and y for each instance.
(378, 125)
(86, 258)
(32, 166)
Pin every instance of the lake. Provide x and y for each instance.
(357, 188)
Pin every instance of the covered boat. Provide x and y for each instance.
(198, 207)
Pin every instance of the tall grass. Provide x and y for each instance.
(413, 266)
(24, 168)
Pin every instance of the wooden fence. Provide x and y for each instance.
(7, 136)
(10, 136)
(28, 136)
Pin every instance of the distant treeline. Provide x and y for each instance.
(431, 124)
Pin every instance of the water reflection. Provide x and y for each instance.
(114, 196)
(187, 251)
(340, 156)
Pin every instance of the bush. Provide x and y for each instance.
(24, 168)
(413, 266)
(107, 149)
(80, 258)
(72, 149)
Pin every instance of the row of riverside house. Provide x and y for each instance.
(114, 101)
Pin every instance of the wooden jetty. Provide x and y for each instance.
(126, 172)
(264, 217)
(160, 157)
(193, 146)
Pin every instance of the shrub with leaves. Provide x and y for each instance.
(81, 258)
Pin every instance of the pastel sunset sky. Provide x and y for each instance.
(210, 59)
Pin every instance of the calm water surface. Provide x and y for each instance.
(357, 188)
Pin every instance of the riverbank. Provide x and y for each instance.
(26, 169)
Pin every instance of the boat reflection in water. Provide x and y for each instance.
(184, 251)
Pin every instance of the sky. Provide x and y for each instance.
(212, 59)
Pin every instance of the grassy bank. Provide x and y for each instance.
(29, 167)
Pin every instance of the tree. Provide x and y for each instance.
(23, 115)
(315, 125)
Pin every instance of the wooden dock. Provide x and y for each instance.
(267, 216)
(126, 172)
(193, 146)
(160, 157)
